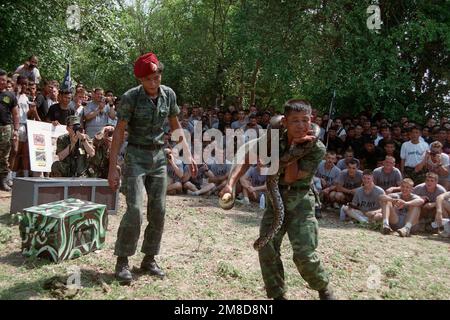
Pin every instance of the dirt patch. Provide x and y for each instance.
(207, 254)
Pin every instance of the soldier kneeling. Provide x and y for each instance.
(73, 150)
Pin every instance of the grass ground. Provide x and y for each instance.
(207, 254)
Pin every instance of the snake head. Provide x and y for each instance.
(227, 201)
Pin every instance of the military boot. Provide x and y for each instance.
(326, 294)
(122, 272)
(149, 266)
(3, 184)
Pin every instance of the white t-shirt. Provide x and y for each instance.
(22, 103)
(35, 75)
(377, 140)
(413, 153)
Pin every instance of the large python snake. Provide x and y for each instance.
(295, 152)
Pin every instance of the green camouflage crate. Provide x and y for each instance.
(63, 230)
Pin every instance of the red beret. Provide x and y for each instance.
(146, 65)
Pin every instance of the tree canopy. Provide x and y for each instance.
(247, 51)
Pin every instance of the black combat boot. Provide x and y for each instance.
(318, 213)
(3, 184)
(123, 273)
(326, 294)
(149, 266)
(280, 297)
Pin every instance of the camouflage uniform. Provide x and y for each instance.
(7, 102)
(145, 167)
(75, 164)
(99, 163)
(301, 226)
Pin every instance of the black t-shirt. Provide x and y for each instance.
(371, 159)
(336, 145)
(8, 101)
(55, 113)
(42, 106)
(357, 145)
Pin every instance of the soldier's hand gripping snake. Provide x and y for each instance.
(295, 152)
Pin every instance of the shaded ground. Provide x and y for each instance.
(207, 254)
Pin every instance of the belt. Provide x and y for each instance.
(150, 147)
(285, 187)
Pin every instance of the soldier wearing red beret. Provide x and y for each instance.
(143, 109)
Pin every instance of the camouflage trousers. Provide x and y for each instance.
(5, 148)
(302, 228)
(67, 169)
(154, 182)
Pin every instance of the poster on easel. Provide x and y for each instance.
(42, 137)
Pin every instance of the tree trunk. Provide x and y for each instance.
(253, 82)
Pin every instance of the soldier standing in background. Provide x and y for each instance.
(9, 114)
(144, 110)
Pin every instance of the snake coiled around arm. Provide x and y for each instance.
(294, 153)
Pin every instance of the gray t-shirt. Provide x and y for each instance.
(342, 165)
(171, 171)
(387, 180)
(255, 177)
(102, 119)
(367, 202)
(237, 124)
(421, 190)
(350, 182)
(329, 176)
(220, 169)
(398, 195)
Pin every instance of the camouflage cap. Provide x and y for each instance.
(71, 120)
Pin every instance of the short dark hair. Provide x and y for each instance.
(367, 172)
(3, 73)
(334, 128)
(353, 162)
(297, 105)
(389, 142)
(368, 140)
(415, 127)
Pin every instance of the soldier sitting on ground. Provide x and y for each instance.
(365, 206)
(348, 181)
(442, 207)
(401, 210)
(175, 171)
(254, 183)
(73, 150)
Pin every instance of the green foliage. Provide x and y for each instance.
(243, 51)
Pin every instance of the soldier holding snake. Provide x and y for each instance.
(291, 209)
